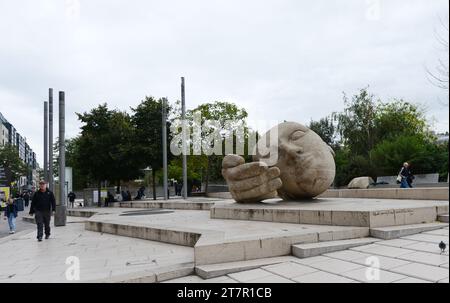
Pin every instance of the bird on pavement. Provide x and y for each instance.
(442, 246)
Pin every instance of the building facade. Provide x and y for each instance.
(10, 136)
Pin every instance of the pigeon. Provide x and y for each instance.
(442, 246)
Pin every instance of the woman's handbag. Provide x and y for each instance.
(399, 178)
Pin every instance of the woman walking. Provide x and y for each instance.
(406, 176)
(11, 215)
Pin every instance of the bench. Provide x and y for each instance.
(420, 179)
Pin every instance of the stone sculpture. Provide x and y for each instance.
(304, 167)
(360, 183)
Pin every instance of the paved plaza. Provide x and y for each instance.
(101, 256)
(411, 259)
(178, 242)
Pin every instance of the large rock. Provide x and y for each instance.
(360, 183)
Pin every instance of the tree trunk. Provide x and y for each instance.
(154, 183)
(207, 174)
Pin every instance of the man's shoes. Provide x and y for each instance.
(40, 239)
(47, 236)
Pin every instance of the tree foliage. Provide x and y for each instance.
(11, 163)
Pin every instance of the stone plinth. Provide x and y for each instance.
(344, 212)
(419, 193)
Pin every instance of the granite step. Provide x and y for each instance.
(216, 270)
(393, 232)
(319, 248)
(443, 218)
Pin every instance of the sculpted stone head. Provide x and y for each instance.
(305, 161)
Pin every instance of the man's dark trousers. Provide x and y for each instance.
(42, 220)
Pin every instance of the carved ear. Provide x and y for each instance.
(332, 151)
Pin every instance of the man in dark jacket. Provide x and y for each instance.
(26, 198)
(72, 198)
(43, 206)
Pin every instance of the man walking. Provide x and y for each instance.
(26, 197)
(43, 205)
(72, 198)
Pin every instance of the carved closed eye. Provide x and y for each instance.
(297, 135)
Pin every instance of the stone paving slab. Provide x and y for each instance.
(322, 277)
(428, 238)
(411, 280)
(426, 258)
(382, 250)
(363, 276)
(385, 263)
(335, 266)
(422, 271)
(365, 259)
(216, 270)
(440, 232)
(102, 257)
(401, 243)
(289, 269)
(271, 279)
(425, 247)
(248, 275)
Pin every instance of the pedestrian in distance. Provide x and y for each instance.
(72, 198)
(11, 214)
(43, 206)
(26, 198)
(404, 176)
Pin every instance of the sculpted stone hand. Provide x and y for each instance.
(250, 182)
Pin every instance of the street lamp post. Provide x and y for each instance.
(60, 216)
(183, 129)
(164, 143)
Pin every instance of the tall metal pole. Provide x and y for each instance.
(50, 139)
(164, 143)
(46, 141)
(183, 119)
(60, 216)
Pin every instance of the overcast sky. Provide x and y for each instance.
(279, 59)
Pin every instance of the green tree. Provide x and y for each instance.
(105, 146)
(356, 124)
(400, 118)
(228, 118)
(11, 163)
(80, 180)
(326, 129)
(425, 156)
(147, 138)
(369, 131)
